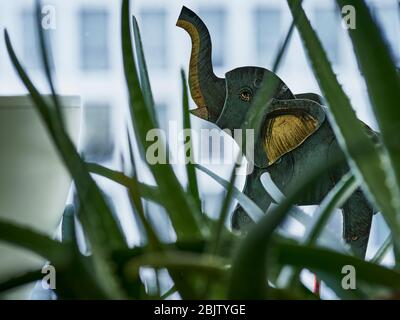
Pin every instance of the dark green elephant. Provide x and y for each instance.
(294, 139)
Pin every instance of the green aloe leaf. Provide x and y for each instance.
(134, 193)
(94, 213)
(20, 280)
(168, 293)
(364, 155)
(334, 199)
(190, 169)
(247, 204)
(146, 191)
(144, 76)
(382, 251)
(220, 225)
(150, 193)
(209, 265)
(98, 213)
(56, 252)
(331, 262)
(250, 262)
(184, 214)
(151, 234)
(383, 84)
(44, 51)
(268, 88)
(68, 230)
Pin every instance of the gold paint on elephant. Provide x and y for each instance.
(285, 132)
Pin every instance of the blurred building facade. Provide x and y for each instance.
(87, 61)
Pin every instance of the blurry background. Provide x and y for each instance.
(85, 38)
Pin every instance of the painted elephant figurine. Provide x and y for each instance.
(294, 139)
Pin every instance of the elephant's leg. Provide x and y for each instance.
(357, 210)
(357, 218)
(255, 191)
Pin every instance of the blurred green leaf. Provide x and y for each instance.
(38, 243)
(150, 193)
(168, 293)
(219, 226)
(250, 262)
(146, 191)
(97, 210)
(334, 199)
(151, 235)
(328, 261)
(190, 169)
(364, 155)
(68, 230)
(268, 87)
(44, 51)
(382, 251)
(223, 214)
(94, 213)
(184, 214)
(247, 204)
(134, 193)
(209, 265)
(20, 280)
(251, 208)
(144, 76)
(284, 46)
(379, 71)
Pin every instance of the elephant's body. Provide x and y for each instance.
(294, 138)
(299, 165)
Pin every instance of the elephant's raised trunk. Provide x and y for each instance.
(207, 90)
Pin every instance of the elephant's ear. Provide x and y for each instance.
(288, 124)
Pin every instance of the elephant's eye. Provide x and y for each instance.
(245, 95)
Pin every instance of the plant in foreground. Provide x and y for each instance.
(207, 260)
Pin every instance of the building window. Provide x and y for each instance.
(215, 22)
(212, 146)
(154, 37)
(268, 35)
(94, 41)
(216, 149)
(30, 41)
(327, 24)
(97, 132)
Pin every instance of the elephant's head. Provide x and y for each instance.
(211, 93)
(226, 102)
(242, 85)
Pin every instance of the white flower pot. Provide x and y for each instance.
(34, 184)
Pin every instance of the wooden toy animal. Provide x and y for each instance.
(295, 136)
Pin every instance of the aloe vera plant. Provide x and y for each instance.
(207, 260)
